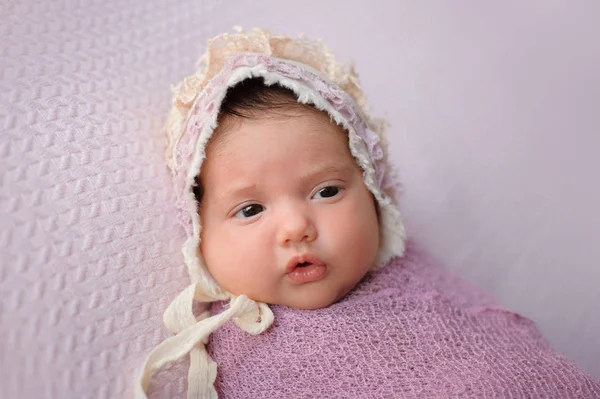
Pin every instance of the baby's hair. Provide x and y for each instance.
(251, 99)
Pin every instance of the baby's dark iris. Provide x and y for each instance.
(329, 191)
(252, 210)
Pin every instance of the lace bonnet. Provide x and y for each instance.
(308, 69)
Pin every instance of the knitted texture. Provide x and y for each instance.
(408, 330)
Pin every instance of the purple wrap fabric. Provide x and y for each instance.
(408, 330)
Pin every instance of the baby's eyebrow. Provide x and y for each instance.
(327, 169)
(242, 190)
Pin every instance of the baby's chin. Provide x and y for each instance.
(314, 300)
(311, 296)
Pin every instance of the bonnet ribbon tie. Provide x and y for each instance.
(190, 331)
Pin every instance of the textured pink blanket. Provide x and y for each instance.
(409, 330)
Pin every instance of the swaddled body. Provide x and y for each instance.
(407, 330)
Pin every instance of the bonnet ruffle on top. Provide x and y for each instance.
(308, 69)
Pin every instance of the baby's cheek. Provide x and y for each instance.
(220, 257)
(359, 223)
(246, 268)
(230, 274)
(361, 240)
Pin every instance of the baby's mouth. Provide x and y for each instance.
(306, 268)
(303, 261)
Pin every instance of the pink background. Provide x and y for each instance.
(494, 127)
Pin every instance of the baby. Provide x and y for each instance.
(288, 200)
(280, 182)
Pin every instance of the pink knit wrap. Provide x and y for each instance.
(408, 330)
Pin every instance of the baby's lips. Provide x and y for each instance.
(313, 270)
(304, 258)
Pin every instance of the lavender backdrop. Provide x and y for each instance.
(494, 126)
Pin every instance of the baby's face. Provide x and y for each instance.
(286, 216)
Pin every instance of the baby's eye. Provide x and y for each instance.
(327, 192)
(249, 211)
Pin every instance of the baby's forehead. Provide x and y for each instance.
(230, 127)
(297, 147)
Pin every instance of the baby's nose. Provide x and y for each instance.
(296, 227)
